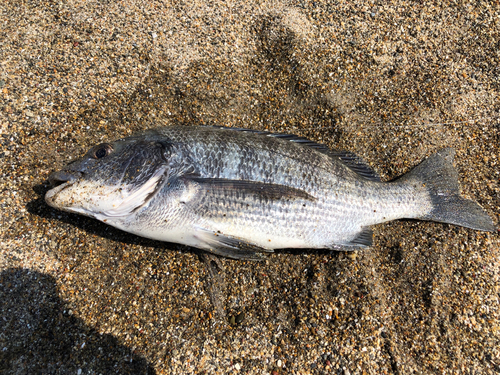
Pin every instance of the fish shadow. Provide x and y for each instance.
(39, 334)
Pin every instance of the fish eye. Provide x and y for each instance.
(102, 150)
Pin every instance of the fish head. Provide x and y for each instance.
(112, 179)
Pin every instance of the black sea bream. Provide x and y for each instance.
(242, 193)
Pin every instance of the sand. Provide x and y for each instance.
(391, 81)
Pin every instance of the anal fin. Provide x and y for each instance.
(363, 239)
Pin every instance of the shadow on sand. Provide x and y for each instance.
(39, 335)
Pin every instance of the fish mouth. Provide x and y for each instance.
(59, 181)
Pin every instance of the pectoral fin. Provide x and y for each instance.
(261, 189)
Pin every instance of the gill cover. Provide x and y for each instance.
(112, 179)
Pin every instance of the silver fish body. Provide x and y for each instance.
(242, 193)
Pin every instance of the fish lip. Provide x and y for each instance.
(62, 177)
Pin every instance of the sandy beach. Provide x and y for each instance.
(392, 82)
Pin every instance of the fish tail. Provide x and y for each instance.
(440, 179)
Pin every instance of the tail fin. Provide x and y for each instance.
(441, 180)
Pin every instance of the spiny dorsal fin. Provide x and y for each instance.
(349, 159)
(289, 137)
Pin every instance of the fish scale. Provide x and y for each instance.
(242, 193)
(235, 156)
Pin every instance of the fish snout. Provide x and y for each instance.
(61, 177)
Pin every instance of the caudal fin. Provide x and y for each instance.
(441, 180)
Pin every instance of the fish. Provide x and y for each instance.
(244, 193)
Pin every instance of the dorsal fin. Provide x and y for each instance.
(289, 137)
(356, 164)
(349, 159)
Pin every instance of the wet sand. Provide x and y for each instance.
(392, 82)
